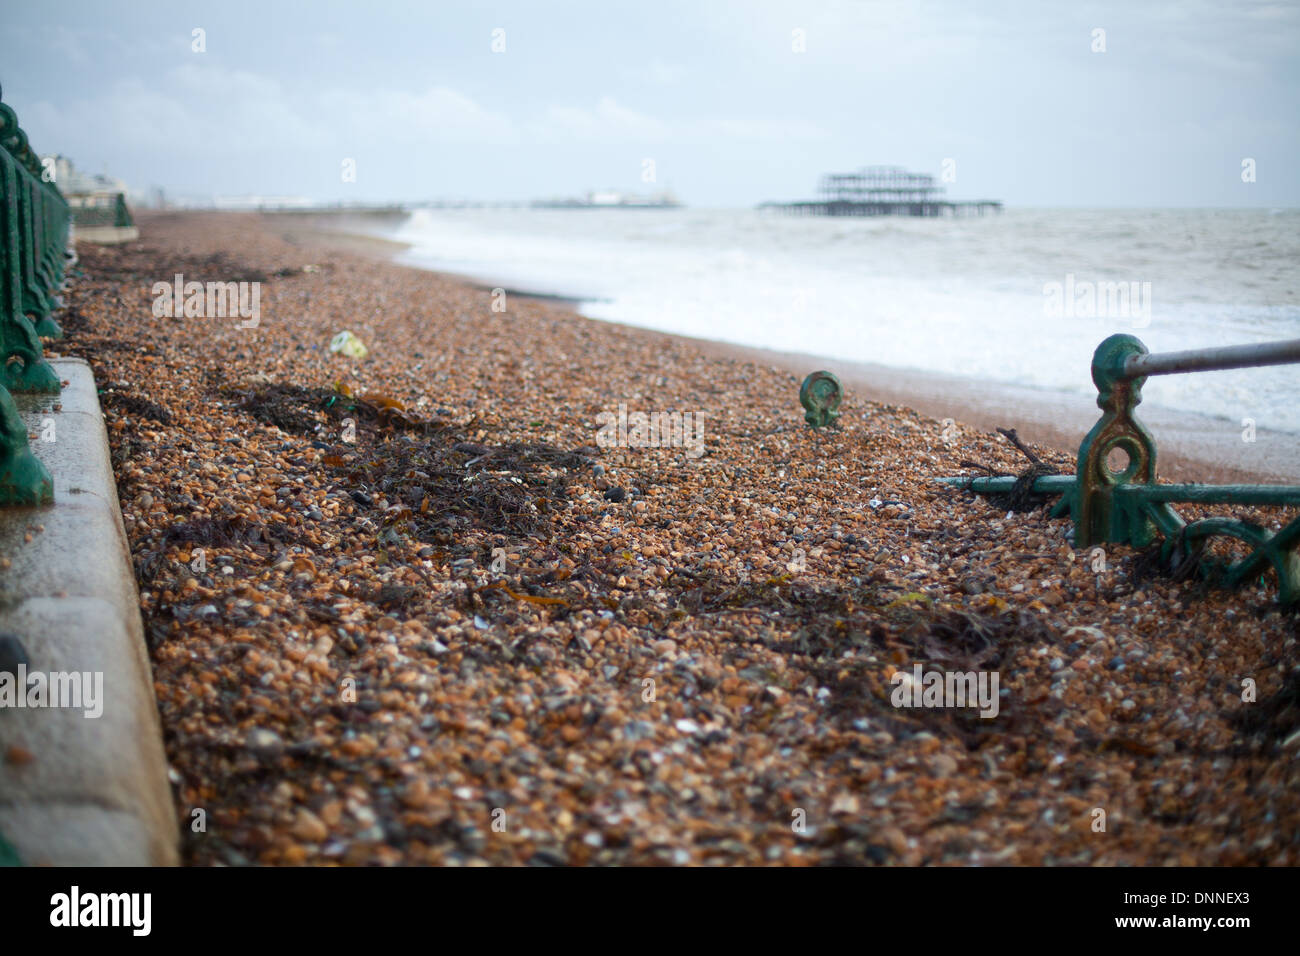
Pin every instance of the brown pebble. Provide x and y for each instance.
(309, 827)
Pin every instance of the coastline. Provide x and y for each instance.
(1191, 448)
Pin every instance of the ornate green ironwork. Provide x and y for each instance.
(33, 239)
(102, 210)
(1121, 503)
(34, 220)
(23, 479)
(820, 396)
(1092, 502)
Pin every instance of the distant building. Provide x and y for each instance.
(98, 203)
(74, 184)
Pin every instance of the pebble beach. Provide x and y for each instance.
(409, 609)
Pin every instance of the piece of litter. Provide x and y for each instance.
(345, 343)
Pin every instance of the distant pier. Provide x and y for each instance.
(883, 191)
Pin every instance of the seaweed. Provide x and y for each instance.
(130, 404)
(439, 486)
(1276, 717)
(222, 532)
(290, 408)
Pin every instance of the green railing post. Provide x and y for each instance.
(33, 224)
(54, 231)
(26, 202)
(23, 479)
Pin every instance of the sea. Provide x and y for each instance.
(1021, 297)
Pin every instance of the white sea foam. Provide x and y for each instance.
(964, 296)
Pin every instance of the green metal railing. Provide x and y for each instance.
(34, 221)
(107, 210)
(1124, 505)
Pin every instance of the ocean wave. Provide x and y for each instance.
(964, 297)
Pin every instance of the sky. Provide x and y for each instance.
(725, 103)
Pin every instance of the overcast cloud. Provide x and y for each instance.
(713, 92)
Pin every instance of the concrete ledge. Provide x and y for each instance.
(80, 835)
(106, 235)
(95, 791)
